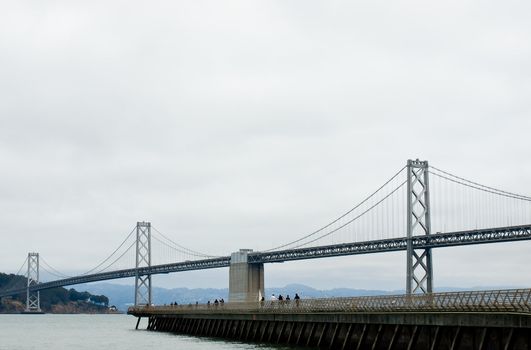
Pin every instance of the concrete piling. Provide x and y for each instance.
(329, 332)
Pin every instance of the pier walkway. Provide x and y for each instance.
(499, 319)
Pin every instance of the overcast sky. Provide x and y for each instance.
(241, 124)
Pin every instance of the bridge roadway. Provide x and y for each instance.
(438, 240)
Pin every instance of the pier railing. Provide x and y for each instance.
(512, 301)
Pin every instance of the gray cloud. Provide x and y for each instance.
(247, 123)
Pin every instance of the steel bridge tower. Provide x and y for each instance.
(33, 299)
(419, 262)
(143, 259)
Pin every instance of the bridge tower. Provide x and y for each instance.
(33, 300)
(419, 261)
(143, 259)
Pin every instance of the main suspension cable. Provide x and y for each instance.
(179, 247)
(118, 258)
(53, 271)
(110, 256)
(57, 272)
(179, 250)
(340, 217)
(354, 219)
(21, 267)
(7, 288)
(60, 276)
(492, 189)
(484, 188)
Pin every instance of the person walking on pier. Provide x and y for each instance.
(297, 298)
(273, 297)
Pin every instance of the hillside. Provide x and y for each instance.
(123, 295)
(57, 300)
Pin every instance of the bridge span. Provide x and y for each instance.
(439, 240)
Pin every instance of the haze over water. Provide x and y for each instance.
(116, 332)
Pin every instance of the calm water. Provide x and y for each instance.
(115, 332)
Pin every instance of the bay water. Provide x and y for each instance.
(114, 332)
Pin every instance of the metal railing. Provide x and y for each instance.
(507, 301)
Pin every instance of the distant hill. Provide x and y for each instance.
(56, 300)
(123, 295)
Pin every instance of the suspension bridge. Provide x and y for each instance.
(419, 208)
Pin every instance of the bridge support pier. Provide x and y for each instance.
(33, 300)
(246, 281)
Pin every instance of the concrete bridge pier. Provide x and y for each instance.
(246, 281)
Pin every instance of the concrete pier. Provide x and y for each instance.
(365, 331)
(483, 320)
(246, 281)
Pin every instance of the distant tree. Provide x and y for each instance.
(100, 299)
(49, 297)
(74, 295)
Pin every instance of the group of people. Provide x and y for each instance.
(221, 301)
(176, 304)
(217, 302)
(281, 298)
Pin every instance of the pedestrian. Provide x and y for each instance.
(288, 298)
(216, 302)
(273, 297)
(280, 297)
(297, 299)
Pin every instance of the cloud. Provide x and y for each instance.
(246, 123)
